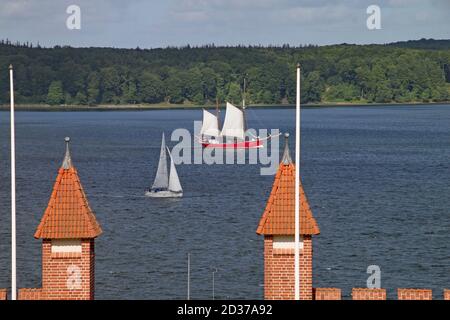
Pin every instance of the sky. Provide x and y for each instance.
(162, 23)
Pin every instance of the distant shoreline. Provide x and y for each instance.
(144, 107)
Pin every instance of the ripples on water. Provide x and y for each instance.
(377, 179)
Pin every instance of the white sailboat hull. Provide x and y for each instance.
(164, 194)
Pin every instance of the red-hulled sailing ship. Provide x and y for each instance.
(233, 127)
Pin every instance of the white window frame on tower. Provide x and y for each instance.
(285, 242)
(66, 246)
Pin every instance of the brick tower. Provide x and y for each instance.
(67, 229)
(277, 225)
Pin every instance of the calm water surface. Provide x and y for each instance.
(377, 178)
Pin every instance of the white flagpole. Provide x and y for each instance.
(297, 190)
(13, 192)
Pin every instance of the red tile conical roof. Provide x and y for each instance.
(68, 214)
(279, 215)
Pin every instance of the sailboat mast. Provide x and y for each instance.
(243, 107)
(243, 97)
(217, 113)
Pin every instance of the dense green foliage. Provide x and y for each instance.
(416, 71)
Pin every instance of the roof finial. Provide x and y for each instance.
(286, 159)
(10, 67)
(67, 163)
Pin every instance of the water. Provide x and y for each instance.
(377, 178)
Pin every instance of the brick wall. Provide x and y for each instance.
(368, 294)
(65, 276)
(3, 294)
(68, 275)
(30, 294)
(446, 294)
(414, 294)
(279, 271)
(326, 294)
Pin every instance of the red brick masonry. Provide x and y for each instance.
(3, 294)
(279, 271)
(326, 294)
(368, 294)
(446, 294)
(65, 276)
(30, 294)
(414, 294)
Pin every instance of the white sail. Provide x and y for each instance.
(210, 126)
(174, 181)
(162, 177)
(233, 125)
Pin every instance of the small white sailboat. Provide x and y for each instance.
(166, 185)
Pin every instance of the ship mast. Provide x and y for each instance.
(243, 96)
(243, 107)
(217, 112)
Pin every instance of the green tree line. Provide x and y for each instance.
(413, 71)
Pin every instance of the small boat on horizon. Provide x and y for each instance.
(165, 185)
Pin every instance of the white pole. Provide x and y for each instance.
(189, 277)
(13, 192)
(213, 284)
(243, 97)
(297, 190)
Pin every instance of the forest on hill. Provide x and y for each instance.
(411, 71)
